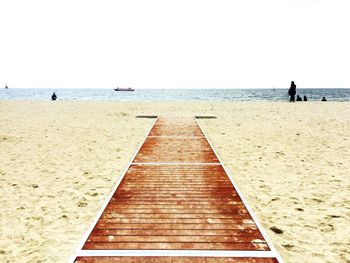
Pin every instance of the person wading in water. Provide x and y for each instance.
(292, 91)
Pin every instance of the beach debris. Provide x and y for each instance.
(210, 220)
(35, 185)
(276, 230)
(299, 209)
(147, 116)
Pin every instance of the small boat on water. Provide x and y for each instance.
(6, 87)
(123, 89)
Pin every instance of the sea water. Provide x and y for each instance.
(173, 94)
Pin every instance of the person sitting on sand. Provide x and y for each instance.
(292, 91)
(324, 99)
(53, 96)
(299, 98)
(305, 98)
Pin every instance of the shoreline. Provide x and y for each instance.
(179, 95)
(62, 158)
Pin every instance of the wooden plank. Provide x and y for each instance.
(173, 260)
(118, 209)
(166, 187)
(184, 201)
(149, 208)
(253, 246)
(179, 192)
(177, 216)
(174, 194)
(203, 226)
(245, 238)
(105, 222)
(182, 232)
(219, 200)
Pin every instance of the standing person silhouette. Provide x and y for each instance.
(292, 91)
(53, 96)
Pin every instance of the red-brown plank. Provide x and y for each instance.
(177, 246)
(178, 216)
(175, 239)
(169, 221)
(181, 232)
(175, 226)
(218, 202)
(173, 260)
(234, 206)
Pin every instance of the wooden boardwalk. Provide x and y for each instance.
(176, 203)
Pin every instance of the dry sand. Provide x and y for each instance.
(59, 161)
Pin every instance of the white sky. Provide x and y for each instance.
(175, 44)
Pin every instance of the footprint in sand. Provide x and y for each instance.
(82, 204)
(288, 246)
(317, 200)
(326, 227)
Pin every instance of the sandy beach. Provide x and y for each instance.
(59, 161)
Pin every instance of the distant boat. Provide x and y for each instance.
(123, 89)
(6, 87)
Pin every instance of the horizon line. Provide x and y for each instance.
(195, 88)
